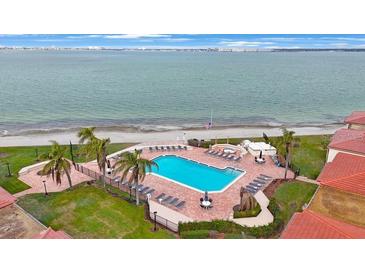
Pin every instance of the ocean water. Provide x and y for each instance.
(59, 90)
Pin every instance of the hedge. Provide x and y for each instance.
(195, 234)
(229, 227)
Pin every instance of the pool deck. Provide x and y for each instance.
(223, 202)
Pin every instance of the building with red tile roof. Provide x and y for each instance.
(312, 225)
(346, 172)
(349, 141)
(356, 120)
(6, 198)
(49, 233)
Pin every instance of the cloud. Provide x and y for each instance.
(136, 36)
(244, 43)
(84, 36)
(339, 45)
(177, 39)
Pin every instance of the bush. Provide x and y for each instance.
(247, 213)
(218, 225)
(231, 228)
(195, 234)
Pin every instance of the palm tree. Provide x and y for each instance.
(100, 146)
(138, 166)
(58, 165)
(86, 134)
(94, 147)
(287, 141)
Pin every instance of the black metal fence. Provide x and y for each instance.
(126, 188)
(164, 222)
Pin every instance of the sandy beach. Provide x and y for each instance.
(137, 137)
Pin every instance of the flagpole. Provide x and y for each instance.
(211, 118)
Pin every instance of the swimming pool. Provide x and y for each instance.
(195, 175)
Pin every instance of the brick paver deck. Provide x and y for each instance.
(35, 182)
(223, 202)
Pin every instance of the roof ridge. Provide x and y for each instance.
(317, 216)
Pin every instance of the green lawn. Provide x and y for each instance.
(90, 212)
(19, 157)
(291, 197)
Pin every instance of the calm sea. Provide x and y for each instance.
(57, 90)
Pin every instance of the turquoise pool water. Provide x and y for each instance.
(194, 174)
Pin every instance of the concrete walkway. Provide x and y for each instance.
(264, 218)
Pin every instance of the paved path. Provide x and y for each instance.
(264, 218)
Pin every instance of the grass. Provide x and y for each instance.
(291, 196)
(309, 156)
(88, 211)
(340, 205)
(19, 157)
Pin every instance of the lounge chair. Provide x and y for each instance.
(266, 176)
(259, 181)
(151, 149)
(254, 186)
(181, 204)
(167, 199)
(179, 147)
(168, 147)
(252, 191)
(174, 201)
(251, 187)
(220, 154)
(149, 191)
(230, 157)
(139, 187)
(237, 158)
(173, 147)
(263, 178)
(185, 147)
(162, 148)
(142, 189)
(161, 196)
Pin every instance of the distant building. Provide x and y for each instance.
(356, 120)
(350, 141)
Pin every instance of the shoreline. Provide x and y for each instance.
(171, 135)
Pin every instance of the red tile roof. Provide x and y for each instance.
(346, 172)
(349, 140)
(6, 198)
(357, 117)
(312, 225)
(51, 234)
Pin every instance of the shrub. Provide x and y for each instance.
(247, 213)
(231, 228)
(195, 234)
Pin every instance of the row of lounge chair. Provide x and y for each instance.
(140, 188)
(167, 148)
(170, 200)
(258, 183)
(221, 154)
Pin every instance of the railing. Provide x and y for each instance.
(164, 222)
(110, 181)
(126, 188)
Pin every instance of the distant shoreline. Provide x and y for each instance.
(118, 136)
(234, 50)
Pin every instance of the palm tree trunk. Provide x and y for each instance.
(69, 178)
(287, 161)
(137, 193)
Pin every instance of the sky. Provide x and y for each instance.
(251, 41)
